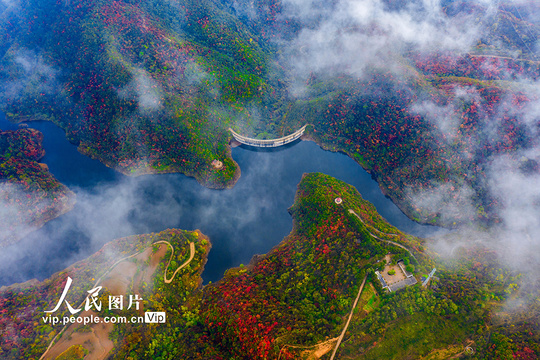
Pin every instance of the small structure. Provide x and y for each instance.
(381, 279)
(401, 278)
(401, 265)
(338, 200)
(425, 282)
(217, 164)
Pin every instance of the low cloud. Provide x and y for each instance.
(13, 212)
(343, 36)
(7, 4)
(356, 37)
(238, 221)
(446, 201)
(32, 75)
(353, 36)
(518, 192)
(145, 90)
(447, 118)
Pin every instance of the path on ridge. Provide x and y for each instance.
(351, 211)
(348, 320)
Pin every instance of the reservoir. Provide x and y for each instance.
(249, 219)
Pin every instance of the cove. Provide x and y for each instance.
(249, 219)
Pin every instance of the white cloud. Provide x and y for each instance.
(145, 90)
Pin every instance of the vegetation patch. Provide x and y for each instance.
(29, 193)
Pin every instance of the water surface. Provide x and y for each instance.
(249, 219)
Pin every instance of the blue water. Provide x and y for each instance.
(249, 219)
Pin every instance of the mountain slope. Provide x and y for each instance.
(29, 194)
(150, 87)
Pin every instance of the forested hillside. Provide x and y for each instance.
(150, 87)
(290, 303)
(29, 193)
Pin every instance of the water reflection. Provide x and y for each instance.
(249, 219)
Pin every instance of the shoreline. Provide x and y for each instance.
(40, 212)
(404, 206)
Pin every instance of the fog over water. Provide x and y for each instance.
(355, 39)
(249, 219)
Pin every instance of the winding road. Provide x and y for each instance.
(191, 256)
(167, 281)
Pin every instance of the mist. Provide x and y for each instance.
(249, 219)
(356, 38)
(334, 38)
(144, 90)
(30, 74)
(15, 225)
(353, 37)
(238, 221)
